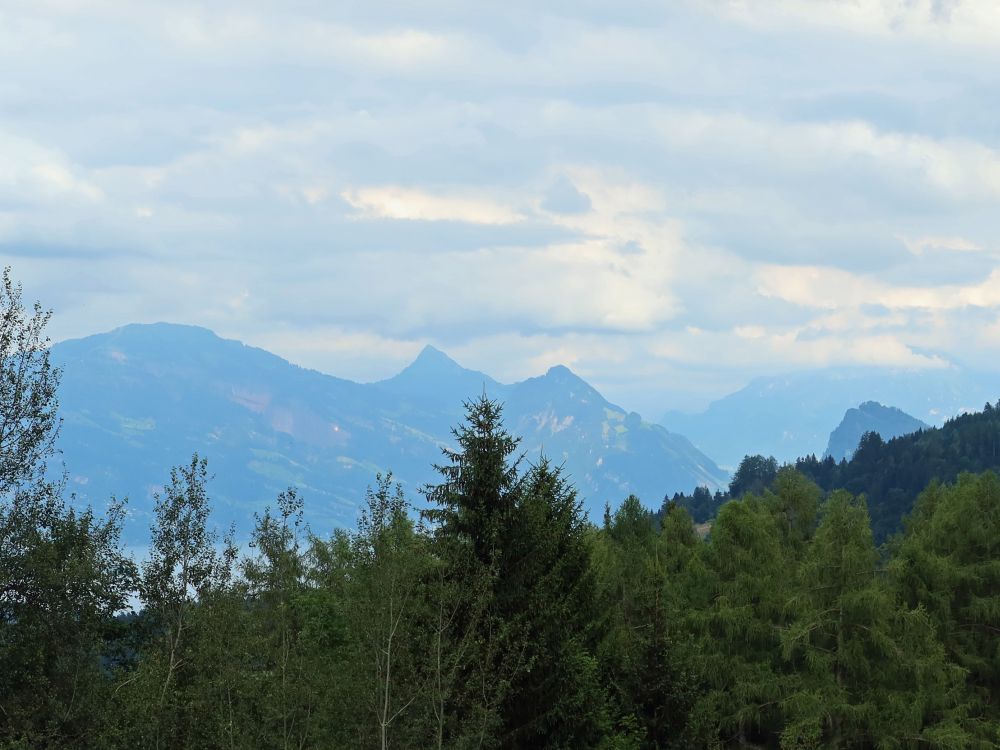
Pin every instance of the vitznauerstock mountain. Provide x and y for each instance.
(143, 398)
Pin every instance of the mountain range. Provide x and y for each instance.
(792, 415)
(143, 398)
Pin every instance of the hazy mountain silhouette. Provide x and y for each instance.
(143, 398)
(791, 415)
(871, 416)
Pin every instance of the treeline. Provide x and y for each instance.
(890, 474)
(493, 616)
(504, 619)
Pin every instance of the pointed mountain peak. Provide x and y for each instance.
(870, 406)
(562, 374)
(433, 373)
(431, 355)
(561, 383)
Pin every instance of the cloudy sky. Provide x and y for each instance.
(669, 197)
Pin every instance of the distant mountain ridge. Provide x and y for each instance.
(788, 416)
(892, 473)
(434, 375)
(871, 416)
(138, 400)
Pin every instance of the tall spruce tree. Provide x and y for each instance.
(471, 522)
(526, 537)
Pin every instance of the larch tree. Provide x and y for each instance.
(866, 670)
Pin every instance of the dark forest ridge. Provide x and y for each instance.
(791, 415)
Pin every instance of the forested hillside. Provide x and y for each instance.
(890, 474)
(487, 611)
(791, 415)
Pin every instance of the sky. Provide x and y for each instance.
(668, 197)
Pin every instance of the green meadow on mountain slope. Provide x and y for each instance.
(145, 396)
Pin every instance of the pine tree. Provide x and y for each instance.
(524, 537)
(470, 524)
(645, 653)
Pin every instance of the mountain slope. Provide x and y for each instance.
(434, 376)
(143, 398)
(871, 416)
(892, 473)
(608, 452)
(790, 416)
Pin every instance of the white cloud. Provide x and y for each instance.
(767, 184)
(403, 203)
(921, 245)
(33, 172)
(951, 21)
(832, 289)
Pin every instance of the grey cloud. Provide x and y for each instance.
(220, 151)
(564, 198)
(788, 240)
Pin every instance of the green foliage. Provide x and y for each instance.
(946, 563)
(389, 564)
(182, 580)
(546, 597)
(740, 661)
(645, 654)
(503, 618)
(28, 385)
(867, 670)
(524, 537)
(62, 579)
(753, 476)
(286, 633)
(509, 621)
(63, 575)
(892, 474)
